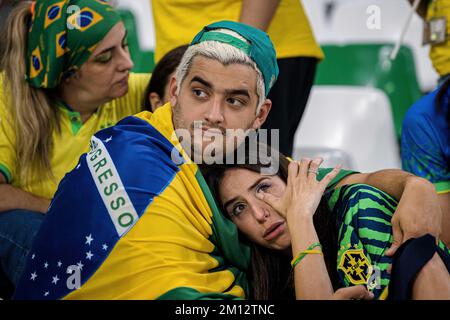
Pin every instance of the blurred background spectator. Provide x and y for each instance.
(356, 108)
(156, 93)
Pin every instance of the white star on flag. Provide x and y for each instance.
(89, 255)
(105, 247)
(108, 140)
(45, 265)
(33, 256)
(55, 279)
(46, 293)
(59, 264)
(33, 276)
(89, 239)
(80, 265)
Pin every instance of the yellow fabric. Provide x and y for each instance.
(177, 22)
(440, 53)
(169, 247)
(68, 147)
(384, 294)
(303, 254)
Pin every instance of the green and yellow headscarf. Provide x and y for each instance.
(62, 36)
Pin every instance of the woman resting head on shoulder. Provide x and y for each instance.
(309, 240)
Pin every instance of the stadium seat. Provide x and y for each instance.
(143, 59)
(142, 11)
(349, 25)
(368, 65)
(348, 125)
(332, 157)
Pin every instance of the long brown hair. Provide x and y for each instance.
(270, 275)
(34, 117)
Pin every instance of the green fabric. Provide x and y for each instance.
(186, 293)
(74, 117)
(443, 247)
(226, 38)
(63, 35)
(341, 175)
(261, 49)
(228, 251)
(442, 187)
(5, 171)
(225, 236)
(364, 216)
(75, 121)
(143, 60)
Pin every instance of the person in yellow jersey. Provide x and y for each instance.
(74, 80)
(135, 218)
(436, 14)
(176, 22)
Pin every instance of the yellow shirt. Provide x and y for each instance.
(73, 140)
(440, 53)
(178, 21)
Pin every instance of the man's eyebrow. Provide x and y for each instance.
(242, 92)
(111, 48)
(202, 81)
(207, 84)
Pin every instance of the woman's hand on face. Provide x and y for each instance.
(303, 192)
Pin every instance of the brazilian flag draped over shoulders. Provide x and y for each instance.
(134, 220)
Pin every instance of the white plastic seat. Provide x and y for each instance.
(350, 125)
(349, 25)
(331, 157)
(142, 11)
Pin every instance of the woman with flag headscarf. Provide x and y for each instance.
(66, 74)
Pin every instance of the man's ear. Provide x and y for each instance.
(262, 115)
(155, 100)
(173, 88)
